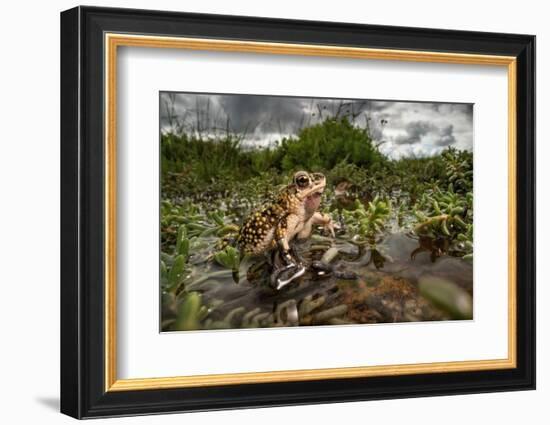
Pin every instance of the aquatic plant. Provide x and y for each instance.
(228, 258)
(458, 169)
(366, 223)
(446, 215)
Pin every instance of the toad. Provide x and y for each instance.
(272, 228)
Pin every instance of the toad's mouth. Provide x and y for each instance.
(313, 201)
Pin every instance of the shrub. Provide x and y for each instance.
(323, 146)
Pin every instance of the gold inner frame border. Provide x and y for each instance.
(111, 43)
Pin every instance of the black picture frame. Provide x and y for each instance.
(83, 392)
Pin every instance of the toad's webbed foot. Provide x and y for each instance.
(287, 273)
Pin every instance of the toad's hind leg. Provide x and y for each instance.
(291, 268)
(282, 236)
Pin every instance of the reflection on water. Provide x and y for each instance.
(401, 279)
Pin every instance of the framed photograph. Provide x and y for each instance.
(261, 212)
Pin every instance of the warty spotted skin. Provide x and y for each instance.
(292, 214)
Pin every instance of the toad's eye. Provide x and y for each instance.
(302, 181)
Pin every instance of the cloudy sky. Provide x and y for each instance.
(405, 128)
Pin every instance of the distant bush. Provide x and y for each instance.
(323, 146)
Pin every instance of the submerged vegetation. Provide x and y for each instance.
(403, 250)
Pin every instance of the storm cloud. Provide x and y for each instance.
(447, 137)
(415, 131)
(400, 128)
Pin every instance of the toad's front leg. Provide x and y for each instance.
(318, 219)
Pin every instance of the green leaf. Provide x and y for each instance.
(448, 296)
(189, 313)
(228, 258)
(177, 270)
(183, 248)
(444, 228)
(182, 234)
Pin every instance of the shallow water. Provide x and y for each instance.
(387, 286)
